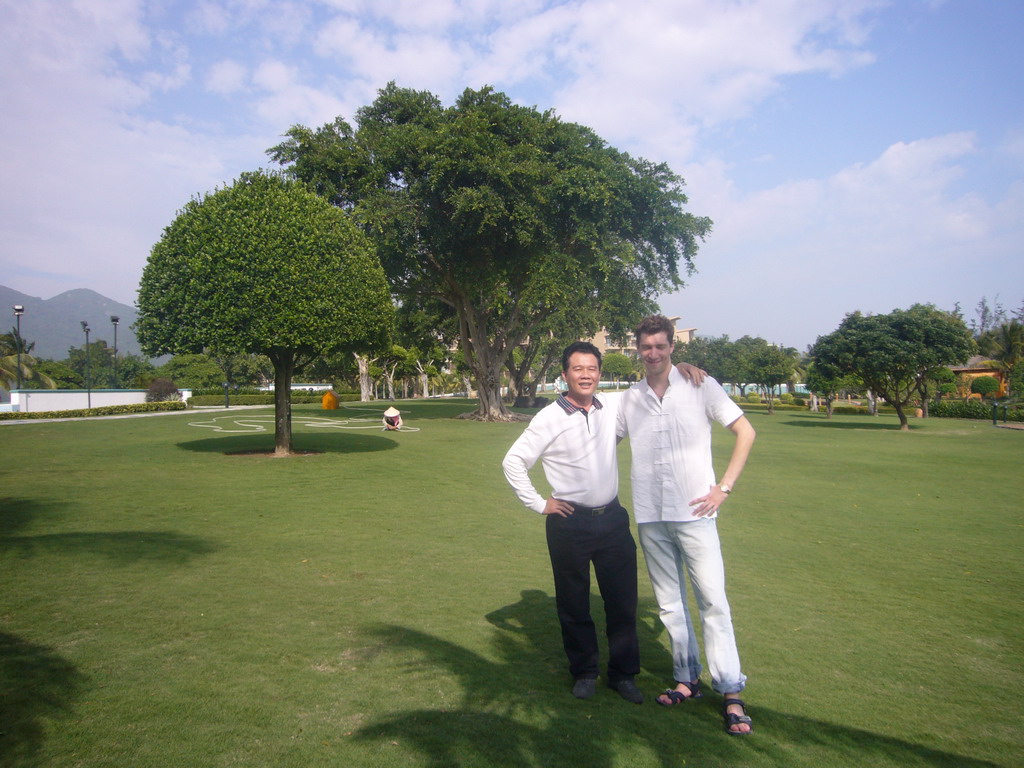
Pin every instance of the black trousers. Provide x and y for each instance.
(574, 543)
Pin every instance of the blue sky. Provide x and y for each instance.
(854, 155)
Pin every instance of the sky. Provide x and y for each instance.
(852, 154)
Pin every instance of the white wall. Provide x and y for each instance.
(35, 400)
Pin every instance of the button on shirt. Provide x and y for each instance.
(670, 439)
(576, 449)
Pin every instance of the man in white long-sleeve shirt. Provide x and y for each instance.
(575, 439)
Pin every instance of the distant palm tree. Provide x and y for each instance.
(10, 343)
(1004, 344)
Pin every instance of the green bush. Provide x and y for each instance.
(799, 401)
(266, 398)
(972, 409)
(759, 407)
(850, 409)
(162, 390)
(107, 410)
(753, 397)
(199, 391)
(786, 398)
(985, 385)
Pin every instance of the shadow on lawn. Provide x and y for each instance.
(38, 685)
(518, 710)
(122, 547)
(825, 423)
(333, 442)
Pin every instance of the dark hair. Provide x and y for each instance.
(580, 346)
(653, 324)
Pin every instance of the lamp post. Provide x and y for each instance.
(88, 372)
(19, 310)
(115, 320)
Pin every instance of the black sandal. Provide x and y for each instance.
(678, 697)
(733, 719)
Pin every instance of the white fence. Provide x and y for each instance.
(36, 400)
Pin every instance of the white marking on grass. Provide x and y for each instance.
(252, 424)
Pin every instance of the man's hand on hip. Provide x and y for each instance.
(555, 506)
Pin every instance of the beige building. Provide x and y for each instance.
(606, 344)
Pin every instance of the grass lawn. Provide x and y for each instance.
(388, 602)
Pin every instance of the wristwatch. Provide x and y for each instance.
(725, 488)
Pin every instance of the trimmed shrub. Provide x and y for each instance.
(753, 397)
(106, 410)
(799, 401)
(162, 390)
(786, 398)
(984, 385)
(266, 398)
(973, 409)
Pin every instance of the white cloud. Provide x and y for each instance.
(226, 77)
(867, 237)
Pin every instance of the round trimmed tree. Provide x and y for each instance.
(264, 266)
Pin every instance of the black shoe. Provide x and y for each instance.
(627, 689)
(584, 688)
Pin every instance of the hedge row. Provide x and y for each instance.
(107, 410)
(219, 391)
(265, 399)
(764, 406)
(973, 409)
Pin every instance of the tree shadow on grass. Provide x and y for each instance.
(121, 547)
(824, 423)
(37, 685)
(517, 710)
(334, 442)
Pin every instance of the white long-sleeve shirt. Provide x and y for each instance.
(670, 441)
(576, 449)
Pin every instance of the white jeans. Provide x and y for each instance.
(668, 548)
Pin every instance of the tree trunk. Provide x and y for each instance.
(365, 393)
(284, 365)
(904, 426)
(389, 380)
(487, 373)
(486, 362)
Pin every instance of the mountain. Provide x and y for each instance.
(55, 325)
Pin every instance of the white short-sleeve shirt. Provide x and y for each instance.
(670, 440)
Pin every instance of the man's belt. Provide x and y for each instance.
(580, 509)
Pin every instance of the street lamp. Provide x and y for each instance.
(115, 320)
(88, 371)
(19, 310)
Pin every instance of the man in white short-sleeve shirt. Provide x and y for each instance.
(676, 499)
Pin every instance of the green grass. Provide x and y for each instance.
(387, 601)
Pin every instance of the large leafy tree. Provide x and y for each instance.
(894, 353)
(504, 214)
(264, 266)
(769, 367)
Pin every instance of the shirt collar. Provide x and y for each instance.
(570, 408)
